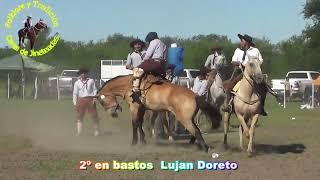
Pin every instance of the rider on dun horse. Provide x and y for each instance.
(239, 60)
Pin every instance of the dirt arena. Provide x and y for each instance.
(37, 141)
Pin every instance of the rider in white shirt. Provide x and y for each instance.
(239, 59)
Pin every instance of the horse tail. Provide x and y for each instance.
(211, 110)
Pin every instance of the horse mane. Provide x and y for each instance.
(110, 80)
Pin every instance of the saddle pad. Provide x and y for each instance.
(236, 87)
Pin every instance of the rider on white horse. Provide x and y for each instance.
(213, 63)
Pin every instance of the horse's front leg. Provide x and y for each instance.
(241, 137)
(243, 124)
(226, 121)
(135, 123)
(251, 133)
(140, 125)
(134, 132)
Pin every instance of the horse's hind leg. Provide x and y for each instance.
(226, 128)
(194, 130)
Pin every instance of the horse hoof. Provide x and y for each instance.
(134, 143)
(143, 142)
(170, 138)
(225, 147)
(250, 154)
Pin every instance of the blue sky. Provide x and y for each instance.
(83, 20)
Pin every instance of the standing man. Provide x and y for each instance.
(239, 59)
(84, 91)
(214, 63)
(153, 62)
(135, 58)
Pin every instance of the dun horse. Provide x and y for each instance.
(162, 96)
(31, 34)
(247, 103)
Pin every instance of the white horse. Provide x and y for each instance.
(247, 103)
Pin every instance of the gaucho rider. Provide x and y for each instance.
(239, 59)
(214, 61)
(27, 25)
(153, 62)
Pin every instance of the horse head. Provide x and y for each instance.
(110, 104)
(41, 25)
(253, 70)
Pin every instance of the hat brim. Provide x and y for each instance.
(242, 37)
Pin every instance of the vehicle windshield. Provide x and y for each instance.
(194, 73)
(70, 73)
(314, 75)
(297, 76)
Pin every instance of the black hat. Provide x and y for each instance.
(83, 71)
(204, 71)
(137, 41)
(216, 48)
(151, 36)
(171, 66)
(246, 38)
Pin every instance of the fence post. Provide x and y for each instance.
(312, 97)
(8, 86)
(58, 88)
(36, 88)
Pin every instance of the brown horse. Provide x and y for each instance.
(162, 96)
(31, 34)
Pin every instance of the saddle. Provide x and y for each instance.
(147, 80)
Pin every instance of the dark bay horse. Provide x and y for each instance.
(163, 96)
(31, 34)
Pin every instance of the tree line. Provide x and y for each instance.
(300, 52)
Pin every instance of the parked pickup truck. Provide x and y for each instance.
(299, 81)
(66, 80)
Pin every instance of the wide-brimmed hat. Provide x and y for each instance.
(83, 70)
(216, 48)
(29, 17)
(246, 38)
(137, 41)
(204, 71)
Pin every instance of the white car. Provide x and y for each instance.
(113, 68)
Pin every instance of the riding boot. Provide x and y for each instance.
(136, 92)
(263, 99)
(262, 91)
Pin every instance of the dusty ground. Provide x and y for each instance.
(37, 142)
